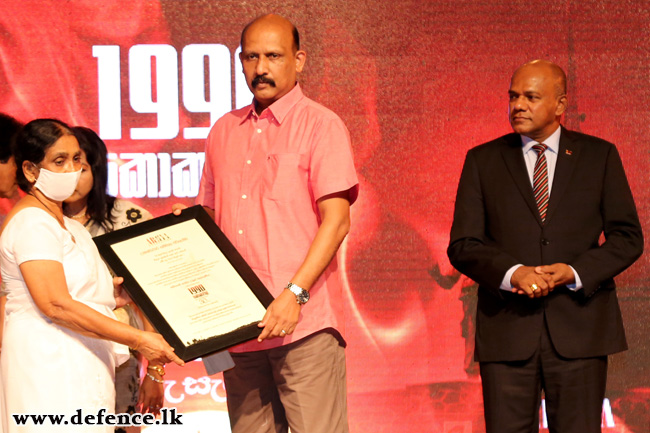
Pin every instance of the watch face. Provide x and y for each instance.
(303, 297)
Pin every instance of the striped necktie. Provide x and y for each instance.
(540, 180)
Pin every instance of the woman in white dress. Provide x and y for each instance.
(100, 213)
(61, 342)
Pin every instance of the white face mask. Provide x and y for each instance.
(57, 186)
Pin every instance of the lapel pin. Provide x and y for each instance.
(568, 152)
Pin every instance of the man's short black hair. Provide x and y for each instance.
(9, 127)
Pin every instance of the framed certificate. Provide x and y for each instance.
(189, 280)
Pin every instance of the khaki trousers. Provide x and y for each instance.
(301, 385)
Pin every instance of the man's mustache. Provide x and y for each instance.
(262, 79)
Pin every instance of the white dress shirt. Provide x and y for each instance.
(530, 157)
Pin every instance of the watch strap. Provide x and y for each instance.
(302, 295)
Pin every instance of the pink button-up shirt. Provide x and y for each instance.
(262, 176)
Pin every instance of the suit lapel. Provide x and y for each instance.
(514, 159)
(567, 158)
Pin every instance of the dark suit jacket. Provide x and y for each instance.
(497, 225)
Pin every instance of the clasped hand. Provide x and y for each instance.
(539, 281)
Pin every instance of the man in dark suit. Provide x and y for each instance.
(530, 211)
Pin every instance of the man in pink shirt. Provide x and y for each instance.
(279, 179)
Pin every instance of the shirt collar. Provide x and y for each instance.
(552, 142)
(280, 108)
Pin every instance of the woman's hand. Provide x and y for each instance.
(121, 296)
(154, 347)
(152, 393)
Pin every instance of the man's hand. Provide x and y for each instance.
(177, 208)
(560, 273)
(281, 317)
(530, 283)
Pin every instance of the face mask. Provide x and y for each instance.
(57, 186)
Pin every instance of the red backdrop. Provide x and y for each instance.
(417, 83)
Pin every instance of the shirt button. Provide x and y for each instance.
(244, 196)
(241, 232)
(545, 242)
(249, 161)
(259, 131)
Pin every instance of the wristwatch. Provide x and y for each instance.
(302, 295)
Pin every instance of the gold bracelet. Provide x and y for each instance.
(157, 368)
(154, 379)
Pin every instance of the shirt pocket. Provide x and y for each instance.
(283, 176)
